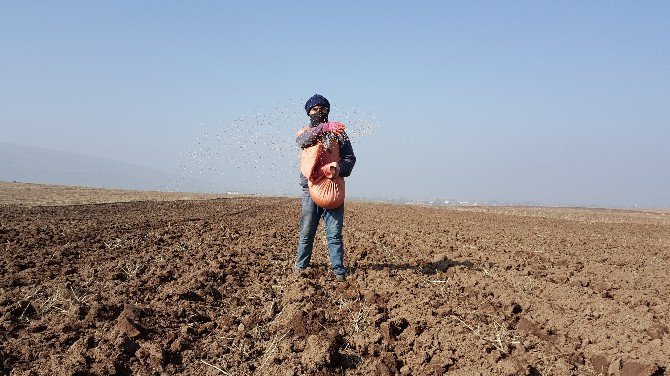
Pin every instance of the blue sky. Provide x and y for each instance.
(558, 103)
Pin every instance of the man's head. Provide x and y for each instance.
(316, 100)
(317, 108)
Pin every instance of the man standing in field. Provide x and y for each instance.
(317, 108)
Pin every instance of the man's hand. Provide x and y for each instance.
(334, 127)
(331, 170)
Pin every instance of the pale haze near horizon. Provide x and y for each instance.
(556, 103)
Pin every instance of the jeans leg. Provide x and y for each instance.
(309, 221)
(333, 222)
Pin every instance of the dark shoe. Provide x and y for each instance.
(340, 277)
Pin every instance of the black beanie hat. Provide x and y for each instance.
(316, 100)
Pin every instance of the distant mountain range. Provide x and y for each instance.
(31, 164)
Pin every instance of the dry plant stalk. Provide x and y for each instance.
(131, 270)
(156, 263)
(44, 302)
(438, 281)
(500, 340)
(240, 348)
(271, 349)
(488, 273)
(216, 368)
(83, 299)
(358, 319)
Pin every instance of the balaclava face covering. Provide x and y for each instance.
(318, 118)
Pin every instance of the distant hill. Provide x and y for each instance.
(40, 165)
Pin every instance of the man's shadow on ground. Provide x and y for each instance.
(431, 268)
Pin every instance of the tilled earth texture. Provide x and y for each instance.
(206, 286)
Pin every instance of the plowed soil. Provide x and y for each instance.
(207, 287)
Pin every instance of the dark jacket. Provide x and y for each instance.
(347, 158)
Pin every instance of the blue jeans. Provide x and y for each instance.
(309, 220)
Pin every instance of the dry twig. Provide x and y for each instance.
(271, 349)
(500, 339)
(131, 270)
(216, 368)
(358, 319)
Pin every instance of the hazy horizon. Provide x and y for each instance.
(37, 165)
(546, 103)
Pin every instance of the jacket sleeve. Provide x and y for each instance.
(308, 136)
(347, 158)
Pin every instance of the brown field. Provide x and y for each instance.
(158, 283)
